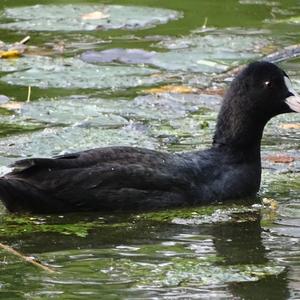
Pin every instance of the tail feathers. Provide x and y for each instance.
(20, 196)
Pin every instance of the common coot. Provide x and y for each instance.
(136, 179)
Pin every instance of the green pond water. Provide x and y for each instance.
(236, 250)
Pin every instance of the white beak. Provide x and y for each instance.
(292, 101)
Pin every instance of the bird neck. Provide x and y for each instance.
(238, 127)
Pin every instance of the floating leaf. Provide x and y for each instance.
(96, 15)
(48, 72)
(3, 99)
(211, 53)
(284, 159)
(10, 54)
(131, 56)
(290, 125)
(222, 43)
(259, 2)
(85, 17)
(220, 91)
(81, 136)
(23, 63)
(75, 110)
(183, 60)
(98, 122)
(178, 89)
(13, 105)
(271, 203)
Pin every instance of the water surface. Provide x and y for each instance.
(240, 250)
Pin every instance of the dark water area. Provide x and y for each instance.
(142, 73)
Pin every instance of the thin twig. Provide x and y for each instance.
(205, 23)
(286, 53)
(26, 258)
(25, 40)
(29, 94)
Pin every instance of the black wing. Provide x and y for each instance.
(101, 179)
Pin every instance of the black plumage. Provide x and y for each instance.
(136, 179)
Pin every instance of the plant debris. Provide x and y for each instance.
(96, 15)
(280, 158)
(177, 89)
(13, 51)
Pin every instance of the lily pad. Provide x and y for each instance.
(183, 60)
(85, 17)
(213, 52)
(283, 134)
(53, 141)
(3, 99)
(76, 110)
(222, 44)
(49, 72)
(23, 63)
(259, 2)
(80, 110)
(129, 56)
(96, 122)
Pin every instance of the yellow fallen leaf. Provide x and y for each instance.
(290, 125)
(180, 89)
(212, 91)
(271, 203)
(268, 49)
(96, 15)
(10, 54)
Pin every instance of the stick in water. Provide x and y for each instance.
(26, 258)
(25, 40)
(29, 94)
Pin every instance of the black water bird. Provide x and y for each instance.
(136, 179)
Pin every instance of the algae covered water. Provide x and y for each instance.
(142, 73)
